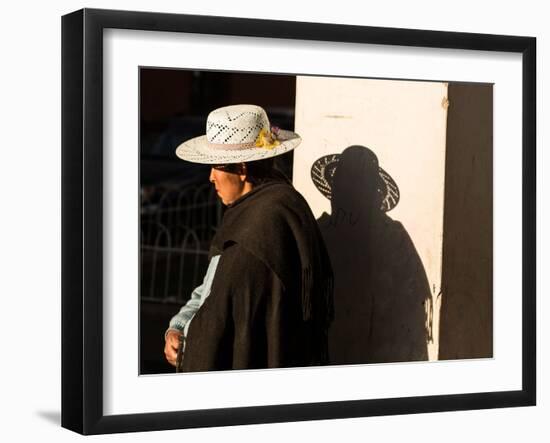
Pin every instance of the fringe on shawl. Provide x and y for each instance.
(325, 290)
(307, 289)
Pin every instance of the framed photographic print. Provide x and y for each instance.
(269, 221)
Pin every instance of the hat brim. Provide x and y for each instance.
(323, 183)
(198, 150)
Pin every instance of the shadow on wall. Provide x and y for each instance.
(381, 286)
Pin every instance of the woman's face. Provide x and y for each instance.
(230, 182)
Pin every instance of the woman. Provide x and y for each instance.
(266, 300)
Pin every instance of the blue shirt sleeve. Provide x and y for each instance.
(188, 310)
(199, 294)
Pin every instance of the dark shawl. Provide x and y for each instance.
(271, 299)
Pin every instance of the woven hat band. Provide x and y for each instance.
(231, 146)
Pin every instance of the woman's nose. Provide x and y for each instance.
(211, 178)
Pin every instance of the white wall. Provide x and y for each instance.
(30, 223)
(368, 112)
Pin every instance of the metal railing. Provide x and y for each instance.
(177, 225)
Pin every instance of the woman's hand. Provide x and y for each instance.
(172, 341)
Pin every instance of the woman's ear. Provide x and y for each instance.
(242, 172)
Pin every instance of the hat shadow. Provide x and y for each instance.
(380, 284)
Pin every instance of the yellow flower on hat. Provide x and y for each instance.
(267, 139)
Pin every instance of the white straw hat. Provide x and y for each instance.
(235, 134)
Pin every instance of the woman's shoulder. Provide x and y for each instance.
(243, 267)
(282, 198)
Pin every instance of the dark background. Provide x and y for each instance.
(179, 211)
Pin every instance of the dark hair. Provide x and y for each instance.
(257, 172)
(263, 171)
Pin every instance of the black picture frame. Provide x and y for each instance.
(82, 218)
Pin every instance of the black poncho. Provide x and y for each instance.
(271, 298)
